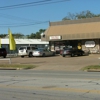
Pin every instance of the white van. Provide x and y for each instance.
(26, 51)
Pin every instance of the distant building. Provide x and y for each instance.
(24, 42)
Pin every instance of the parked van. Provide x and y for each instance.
(26, 51)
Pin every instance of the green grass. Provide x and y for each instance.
(20, 66)
(91, 67)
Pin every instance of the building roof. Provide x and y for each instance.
(75, 29)
(25, 41)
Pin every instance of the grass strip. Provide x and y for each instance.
(91, 67)
(20, 66)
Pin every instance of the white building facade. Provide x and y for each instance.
(24, 42)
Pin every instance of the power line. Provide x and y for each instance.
(30, 22)
(31, 4)
(21, 24)
(17, 18)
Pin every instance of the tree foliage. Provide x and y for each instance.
(3, 35)
(81, 15)
(18, 35)
(36, 35)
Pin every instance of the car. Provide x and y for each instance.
(26, 51)
(43, 52)
(3, 52)
(72, 52)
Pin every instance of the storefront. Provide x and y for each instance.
(82, 34)
(59, 45)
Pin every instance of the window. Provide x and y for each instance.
(28, 48)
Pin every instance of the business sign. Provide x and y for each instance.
(89, 43)
(55, 37)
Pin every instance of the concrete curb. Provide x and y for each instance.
(5, 68)
(93, 70)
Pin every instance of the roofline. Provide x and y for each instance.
(78, 21)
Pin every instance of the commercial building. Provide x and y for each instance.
(82, 34)
(24, 42)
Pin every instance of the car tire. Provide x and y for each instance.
(30, 54)
(22, 56)
(63, 55)
(72, 54)
(53, 54)
(81, 54)
(43, 55)
(4, 56)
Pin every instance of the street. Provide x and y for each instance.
(49, 85)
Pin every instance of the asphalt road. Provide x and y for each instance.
(49, 85)
(57, 63)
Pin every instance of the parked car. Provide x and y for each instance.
(43, 52)
(26, 51)
(3, 52)
(72, 52)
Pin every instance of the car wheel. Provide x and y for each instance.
(81, 54)
(53, 54)
(22, 56)
(72, 55)
(4, 56)
(30, 54)
(63, 55)
(43, 55)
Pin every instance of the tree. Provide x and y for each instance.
(32, 36)
(36, 35)
(70, 16)
(3, 35)
(81, 15)
(18, 35)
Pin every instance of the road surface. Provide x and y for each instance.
(49, 85)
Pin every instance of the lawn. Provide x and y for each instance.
(17, 66)
(91, 67)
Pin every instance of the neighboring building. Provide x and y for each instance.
(24, 42)
(82, 34)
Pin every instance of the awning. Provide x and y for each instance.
(74, 31)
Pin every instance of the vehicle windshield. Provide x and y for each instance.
(21, 48)
(39, 49)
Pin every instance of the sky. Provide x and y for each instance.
(31, 19)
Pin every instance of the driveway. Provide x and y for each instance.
(58, 63)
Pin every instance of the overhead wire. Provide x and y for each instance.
(22, 24)
(30, 22)
(31, 4)
(27, 22)
(17, 18)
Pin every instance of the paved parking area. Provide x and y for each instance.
(58, 62)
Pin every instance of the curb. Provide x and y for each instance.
(2, 68)
(93, 70)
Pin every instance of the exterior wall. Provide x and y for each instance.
(18, 45)
(92, 48)
(59, 45)
(95, 49)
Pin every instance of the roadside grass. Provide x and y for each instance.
(90, 67)
(18, 66)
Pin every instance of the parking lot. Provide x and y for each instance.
(57, 62)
